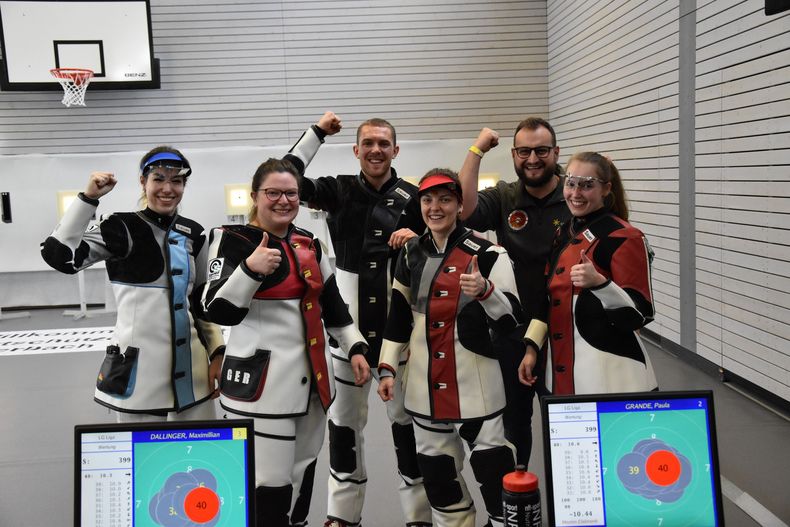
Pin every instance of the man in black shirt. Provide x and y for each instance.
(371, 215)
(525, 215)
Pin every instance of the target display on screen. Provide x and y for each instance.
(190, 474)
(632, 459)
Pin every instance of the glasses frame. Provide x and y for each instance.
(582, 183)
(518, 149)
(182, 170)
(280, 193)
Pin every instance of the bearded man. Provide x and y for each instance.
(525, 215)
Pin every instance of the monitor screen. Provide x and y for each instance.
(166, 474)
(632, 459)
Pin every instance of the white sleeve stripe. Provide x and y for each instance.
(612, 296)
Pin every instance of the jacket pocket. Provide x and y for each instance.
(243, 378)
(116, 375)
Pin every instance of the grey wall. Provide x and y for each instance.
(241, 81)
(742, 114)
(691, 99)
(253, 73)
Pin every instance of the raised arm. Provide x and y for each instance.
(303, 151)
(72, 246)
(486, 140)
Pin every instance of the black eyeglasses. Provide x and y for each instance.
(584, 183)
(524, 151)
(273, 194)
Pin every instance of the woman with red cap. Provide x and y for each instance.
(452, 289)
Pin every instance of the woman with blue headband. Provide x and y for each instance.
(164, 359)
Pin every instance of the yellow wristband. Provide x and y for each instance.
(536, 332)
(476, 151)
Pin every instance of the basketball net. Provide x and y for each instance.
(74, 81)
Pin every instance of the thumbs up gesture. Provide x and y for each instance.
(264, 260)
(472, 283)
(584, 275)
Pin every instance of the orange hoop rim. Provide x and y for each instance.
(77, 75)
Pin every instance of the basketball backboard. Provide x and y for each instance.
(112, 38)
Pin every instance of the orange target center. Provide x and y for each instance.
(201, 505)
(663, 467)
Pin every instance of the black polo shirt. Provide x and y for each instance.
(525, 227)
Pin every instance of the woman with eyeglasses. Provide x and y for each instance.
(599, 289)
(271, 281)
(164, 360)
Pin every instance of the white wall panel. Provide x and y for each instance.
(256, 73)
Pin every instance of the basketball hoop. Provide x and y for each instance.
(74, 81)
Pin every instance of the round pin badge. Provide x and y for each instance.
(517, 220)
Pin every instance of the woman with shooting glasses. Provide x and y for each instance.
(273, 283)
(599, 289)
(158, 365)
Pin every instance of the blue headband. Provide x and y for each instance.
(167, 156)
(170, 156)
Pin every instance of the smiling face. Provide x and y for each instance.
(440, 209)
(582, 200)
(163, 188)
(375, 150)
(534, 171)
(276, 216)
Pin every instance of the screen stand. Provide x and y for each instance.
(15, 314)
(83, 311)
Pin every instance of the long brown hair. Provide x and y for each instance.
(606, 171)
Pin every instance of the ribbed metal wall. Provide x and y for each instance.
(614, 87)
(255, 73)
(743, 191)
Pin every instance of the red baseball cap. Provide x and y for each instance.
(440, 180)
